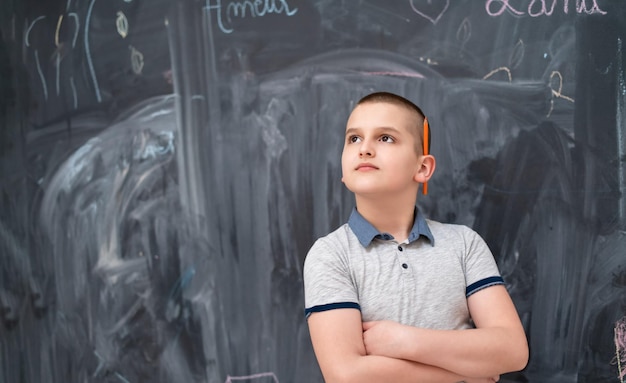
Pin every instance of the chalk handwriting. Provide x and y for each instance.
(538, 8)
(242, 9)
(428, 10)
(230, 379)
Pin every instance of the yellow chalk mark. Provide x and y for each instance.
(501, 69)
(56, 33)
(557, 92)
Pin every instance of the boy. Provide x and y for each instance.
(389, 295)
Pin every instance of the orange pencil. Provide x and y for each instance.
(425, 143)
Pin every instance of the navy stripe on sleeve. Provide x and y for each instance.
(331, 306)
(483, 283)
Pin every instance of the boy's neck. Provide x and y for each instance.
(395, 217)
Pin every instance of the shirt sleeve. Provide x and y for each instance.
(328, 283)
(481, 270)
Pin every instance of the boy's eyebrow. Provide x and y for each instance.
(378, 129)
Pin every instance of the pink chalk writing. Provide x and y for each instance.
(620, 348)
(432, 11)
(536, 8)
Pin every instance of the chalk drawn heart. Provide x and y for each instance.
(431, 10)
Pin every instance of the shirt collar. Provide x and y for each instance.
(366, 232)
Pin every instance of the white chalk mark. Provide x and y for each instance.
(230, 379)
(551, 108)
(43, 80)
(620, 98)
(58, 72)
(88, 53)
(120, 377)
(74, 92)
(27, 38)
(136, 60)
(400, 74)
(501, 69)
(100, 365)
(382, 10)
(121, 23)
(464, 32)
(77, 21)
(428, 60)
(517, 56)
(67, 6)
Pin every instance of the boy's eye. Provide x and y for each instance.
(353, 139)
(386, 139)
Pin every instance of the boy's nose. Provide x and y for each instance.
(365, 154)
(366, 149)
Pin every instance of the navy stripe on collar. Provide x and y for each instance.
(366, 232)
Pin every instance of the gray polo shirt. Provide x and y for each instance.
(421, 282)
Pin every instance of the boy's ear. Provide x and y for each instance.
(426, 169)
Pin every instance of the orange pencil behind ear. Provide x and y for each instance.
(425, 144)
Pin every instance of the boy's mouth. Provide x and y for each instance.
(366, 166)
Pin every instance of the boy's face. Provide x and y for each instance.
(379, 154)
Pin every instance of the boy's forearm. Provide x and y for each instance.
(381, 369)
(472, 352)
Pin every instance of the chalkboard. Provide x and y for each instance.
(165, 166)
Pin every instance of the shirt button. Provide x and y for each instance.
(400, 248)
(405, 266)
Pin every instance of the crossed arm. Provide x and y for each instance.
(348, 350)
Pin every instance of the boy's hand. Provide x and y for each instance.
(384, 338)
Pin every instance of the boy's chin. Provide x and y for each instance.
(365, 191)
